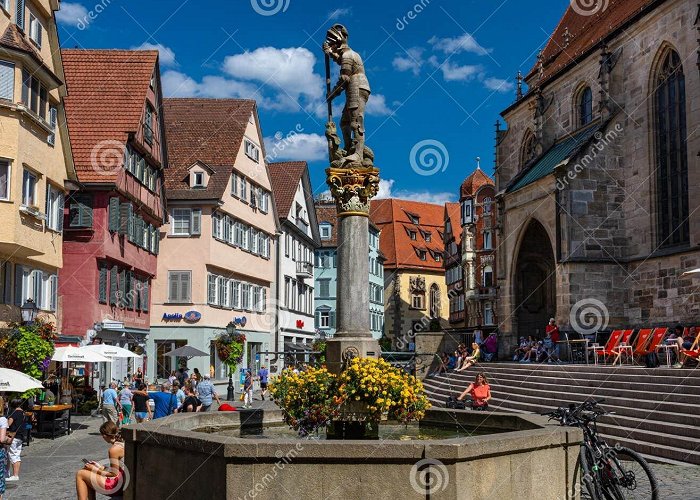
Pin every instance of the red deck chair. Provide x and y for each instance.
(607, 349)
(641, 342)
(694, 351)
(656, 337)
(623, 347)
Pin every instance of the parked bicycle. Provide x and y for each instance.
(605, 472)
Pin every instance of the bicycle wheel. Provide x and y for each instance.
(585, 479)
(628, 476)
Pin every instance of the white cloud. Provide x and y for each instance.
(177, 84)
(411, 60)
(454, 72)
(338, 13)
(71, 13)
(464, 43)
(301, 147)
(289, 72)
(377, 105)
(386, 190)
(498, 84)
(167, 56)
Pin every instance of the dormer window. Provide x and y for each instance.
(198, 179)
(428, 236)
(414, 218)
(422, 254)
(413, 235)
(325, 229)
(252, 151)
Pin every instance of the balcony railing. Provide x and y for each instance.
(305, 270)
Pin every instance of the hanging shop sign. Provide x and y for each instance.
(240, 321)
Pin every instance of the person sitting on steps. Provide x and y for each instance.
(471, 360)
(480, 392)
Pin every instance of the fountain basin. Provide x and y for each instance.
(521, 457)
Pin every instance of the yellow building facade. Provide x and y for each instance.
(35, 160)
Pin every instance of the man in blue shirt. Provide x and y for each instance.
(109, 404)
(205, 392)
(165, 401)
(263, 375)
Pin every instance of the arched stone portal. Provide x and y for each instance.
(535, 281)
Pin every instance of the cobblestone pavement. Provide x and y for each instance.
(48, 466)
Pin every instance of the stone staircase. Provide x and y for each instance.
(657, 411)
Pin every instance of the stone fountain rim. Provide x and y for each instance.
(167, 434)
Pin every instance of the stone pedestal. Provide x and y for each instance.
(352, 190)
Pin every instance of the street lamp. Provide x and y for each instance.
(230, 330)
(29, 310)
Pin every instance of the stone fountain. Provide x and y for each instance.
(483, 454)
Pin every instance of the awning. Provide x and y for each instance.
(291, 346)
(562, 151)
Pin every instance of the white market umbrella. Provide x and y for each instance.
(111, 351)
(694, 271)
(78, 355)
(14, 381)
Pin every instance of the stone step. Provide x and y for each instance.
(692, 374)
(551, 393)
(689, 378)
(656, 450)
(602, 389)
(665, 438)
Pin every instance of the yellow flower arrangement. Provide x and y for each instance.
(314, 397)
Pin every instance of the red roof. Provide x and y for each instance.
(474, 182)
(206, 130)
(585, 32)
(285, 177)
(393, 217)
(453, 213)
(106, 99)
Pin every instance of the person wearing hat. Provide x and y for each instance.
(206, 392)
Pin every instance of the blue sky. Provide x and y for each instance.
(440, 71)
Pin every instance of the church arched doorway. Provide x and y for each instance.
(535, 281)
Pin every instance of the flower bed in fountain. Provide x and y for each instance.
(354, 402)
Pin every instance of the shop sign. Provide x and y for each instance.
(193, 316)
(240, 321)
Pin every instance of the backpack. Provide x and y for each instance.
(455, 404)
(651, 360)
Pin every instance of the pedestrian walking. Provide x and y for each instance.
(142, 410)
(248, 390)
(206, 392)
(3, 455)
(16, 435)
(110, 403)
(126, 402)
(263, 375)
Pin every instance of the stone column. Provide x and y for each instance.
(352, 189)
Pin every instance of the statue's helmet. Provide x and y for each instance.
(337, 35)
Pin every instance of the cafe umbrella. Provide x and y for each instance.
(16, 381)
(111, 351)
(78, 355)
